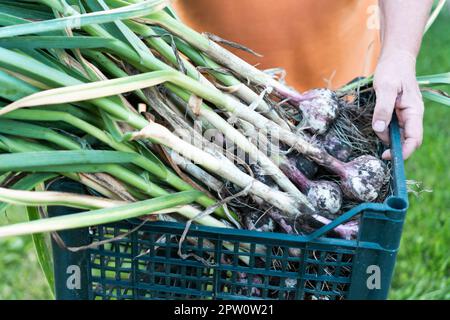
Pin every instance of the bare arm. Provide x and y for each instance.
(402, 26)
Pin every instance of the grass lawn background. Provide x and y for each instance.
(422, 270)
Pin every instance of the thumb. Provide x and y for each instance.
(384, 107)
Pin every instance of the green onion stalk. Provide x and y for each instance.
(124, 115)
(69, 94)
(121, 173)
(100, 216)
(123, 210)
(164, 174)
(163, 204)
(231, 133)
(145, 61)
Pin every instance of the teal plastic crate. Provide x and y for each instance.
(145, 264)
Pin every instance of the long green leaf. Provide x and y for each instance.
(434, 79)
(53, 62)
(27, 161)
(77, 21)
(60, 42)
(435, 96)
(54, 198)
(28, 183)
(101, 216)
(33, 131)
(11, 20)
(13, 144)
(93, 90)
(12, 88)
(38, 70)
(132, 38)
(42, 250)
(434, 14)
(20, 9)
(109, 66)
(110, 28)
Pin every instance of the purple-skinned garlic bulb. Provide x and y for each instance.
(320, 111)
(362, 178)
(335, 146)
(324, 195)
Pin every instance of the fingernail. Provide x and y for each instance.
(379, 126)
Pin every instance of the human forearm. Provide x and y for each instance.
(402, 25)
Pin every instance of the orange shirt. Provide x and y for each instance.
(318, 42)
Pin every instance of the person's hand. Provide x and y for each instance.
(397, 90)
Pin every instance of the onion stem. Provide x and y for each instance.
(165, 175)
(97, 217)
(219, 165)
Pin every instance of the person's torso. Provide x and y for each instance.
(318, 42)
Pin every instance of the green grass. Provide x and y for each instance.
(423, 261)
(20, 273)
